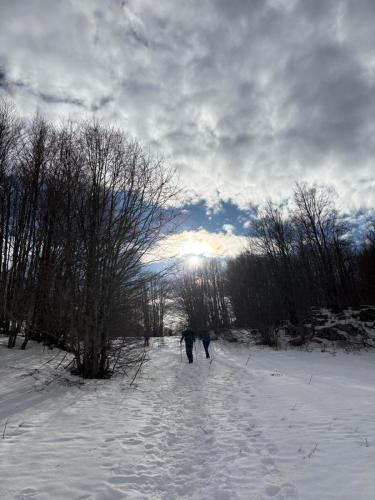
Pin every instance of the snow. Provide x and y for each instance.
(252, 424)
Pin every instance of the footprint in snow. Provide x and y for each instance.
(272, 449)
(110, 439)
(272, 490)
(26, 493)
(131, 442)
(287, 491)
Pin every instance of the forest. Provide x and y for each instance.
(298, 259)
(81, 206)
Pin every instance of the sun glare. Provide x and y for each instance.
(191, 248)
(194, 261)
(194, 251)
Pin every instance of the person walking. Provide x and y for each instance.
(189, 336)
(206, 339)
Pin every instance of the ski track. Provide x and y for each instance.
(277, 425)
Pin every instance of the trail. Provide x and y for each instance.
(281, 425)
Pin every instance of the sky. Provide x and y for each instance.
(242, 97)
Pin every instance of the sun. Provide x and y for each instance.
(193, 261)
(193, 247)
(194, 251)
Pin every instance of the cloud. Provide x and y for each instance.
(2, 77)
(244, 97)
(228, 229)
(201, 242)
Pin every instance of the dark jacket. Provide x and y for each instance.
(188, 335)
(205, 335)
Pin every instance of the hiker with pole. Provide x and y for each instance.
(206, 339)
(189, 336)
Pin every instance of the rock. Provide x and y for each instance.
(297, 341)
(342, 336)
(319, 321)
(290, 330)
(348, 328)
(330, 333)
(230, 337)
(367, 314)
(318, 340)
(307, 329)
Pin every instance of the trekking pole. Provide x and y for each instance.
(181, 351)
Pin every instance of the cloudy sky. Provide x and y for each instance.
(243, 97)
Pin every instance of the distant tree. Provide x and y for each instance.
(304, 257)
(322, 236)
(156, 292)
(275, 237)
(253, 293)
(202, 296)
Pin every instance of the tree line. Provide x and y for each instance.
(80, 207)
(297, 258)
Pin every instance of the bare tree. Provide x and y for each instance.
(254, 295)
(80, 208)
(322, 233)
(366, 267)
(156, 292)
(275, 235)
(304, 258)
(202, 295)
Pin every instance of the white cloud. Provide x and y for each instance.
(228, 229)
(189, 243)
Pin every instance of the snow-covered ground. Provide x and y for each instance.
(252, 424)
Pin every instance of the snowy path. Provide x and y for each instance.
(279, 425)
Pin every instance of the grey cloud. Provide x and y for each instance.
(246, 97)
(239, 141)
(138, 37)
(332, 99)
(2, 77)
(54, 99)
(138, 87)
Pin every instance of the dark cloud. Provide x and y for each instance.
(56, 99)
(2, 77)
(332, 100)
(244, 96)
(138, 37)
